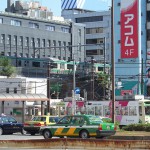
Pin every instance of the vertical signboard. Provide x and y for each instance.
(129, 28)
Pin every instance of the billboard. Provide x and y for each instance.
(129, 28)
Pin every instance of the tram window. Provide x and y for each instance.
(90, 110)
(98, 110)
(36, 64)
(106, 110)
(124, 110)
(140, 110)
(53, 65)
(117, 111)
(147, 110)
(132, 111)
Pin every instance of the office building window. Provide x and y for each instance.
(65, 30)
(94, 41)
(49, 43)
(3, 38)
(148, 35)
(27, 41)
(21, 40)
(7, 90)
(15, 23)
(9, 39)
(38, 42)
(33, 25)
(32, 42)
(1, 20)
(15, 40)
(89, 19)
(50, 28)
(15, 90)
(43, 43)
(94, 30)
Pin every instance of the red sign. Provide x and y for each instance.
(129, 28)
(124, 92)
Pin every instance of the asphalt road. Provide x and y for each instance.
(19, 136)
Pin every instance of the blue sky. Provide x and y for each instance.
(55, 5)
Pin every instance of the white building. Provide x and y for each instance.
(30, 89)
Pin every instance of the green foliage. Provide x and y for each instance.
(6, 69)
(103, 78)
(137, 127)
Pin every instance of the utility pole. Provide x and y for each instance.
(92, 78)
(113, 63)
(73, 91)
(48, 87)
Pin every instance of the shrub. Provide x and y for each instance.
(137, 127)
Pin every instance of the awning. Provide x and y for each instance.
(23, 97)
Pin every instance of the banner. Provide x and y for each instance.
(129, 28)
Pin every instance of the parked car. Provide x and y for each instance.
(33, 126)
(83, 126)
(9, 125)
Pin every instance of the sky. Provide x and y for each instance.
(55, 5)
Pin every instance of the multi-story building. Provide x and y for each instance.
(130, 46)
(97, 32)
(27, 39)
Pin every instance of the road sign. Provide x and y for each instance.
(77, 90)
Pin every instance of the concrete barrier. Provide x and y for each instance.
(80, 144)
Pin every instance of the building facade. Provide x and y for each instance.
(97, 32)
(25, 38)
(130, 46)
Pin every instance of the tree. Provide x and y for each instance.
(104, 81)
(6, 69)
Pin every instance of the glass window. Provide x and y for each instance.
(89, 19)
(15, 90)
(49, 43)
(98, 110)
(117, 109)
(15, 40)
(132, 111)
(65, 120)
(65, 30)
(106, 110)
(124, 110)
(140, 110)
(21, 40)
(27, 41)
(36, 64)
(43, 43)
(33, 25)
(7, 90)
(147, 110)
(9, 39)
(50, 28)
(2, 38)
(15, 23)
(94, 30)
(1, 20)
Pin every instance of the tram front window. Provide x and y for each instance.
(147, 110)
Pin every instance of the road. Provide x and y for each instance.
(18, 136)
